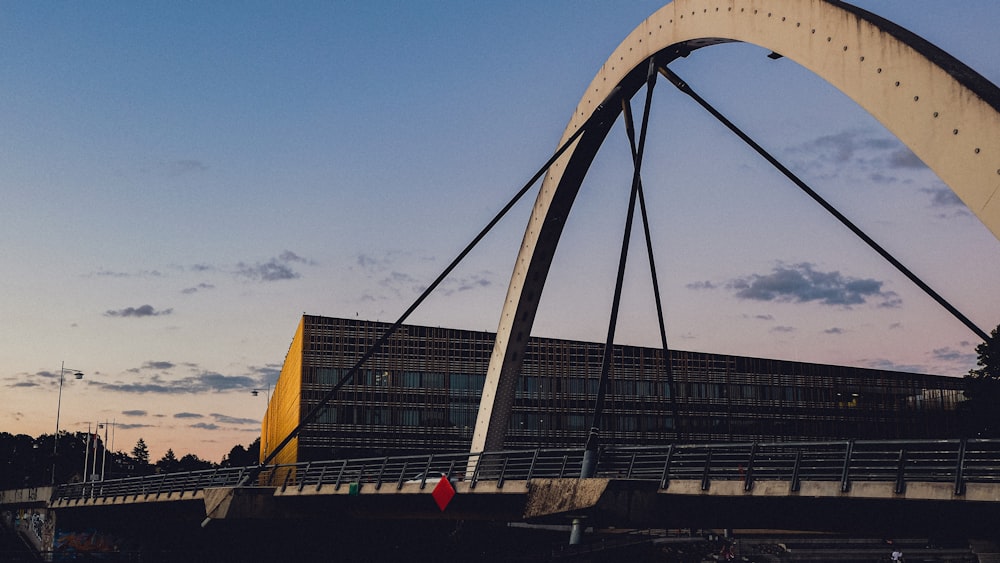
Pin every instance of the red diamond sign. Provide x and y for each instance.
(443, 493)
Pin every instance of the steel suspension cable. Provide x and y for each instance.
(686, 88)
(630, 131)
(593, 437)
(377, 345)
(350, 375)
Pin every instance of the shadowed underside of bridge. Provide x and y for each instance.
(869, 509)
(410, 527)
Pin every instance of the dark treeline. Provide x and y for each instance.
(33, 462)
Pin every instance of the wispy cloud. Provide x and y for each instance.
(374, 266)
(703, 284)
(141, 311)
(384, 271)
(154, 365)
(225, 419)
(135, 413)
(137, 274)
(802, 283)
(399, 280)
(197, 288)
(946, 202)
(889, 365)
(265, 375)
(202, 382)
(879, 158)
(276, 269)
(37, 379)
(188, 415)
(206, 426)
(132, 426)
(954, 356)
(943, 197)
(903, 157)
(451, 286)
(845, 146)
(389, 271)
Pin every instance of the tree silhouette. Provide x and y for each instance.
(242, 457)
(140, 453)
(168, 463)
(982, 410)
(29, 462)
(191, 462)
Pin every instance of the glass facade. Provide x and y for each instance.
(420, 393)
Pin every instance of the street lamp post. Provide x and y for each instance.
(104, 455)
(77, 374)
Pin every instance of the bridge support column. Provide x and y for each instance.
(576, 532)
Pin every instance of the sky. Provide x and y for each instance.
(181, 181)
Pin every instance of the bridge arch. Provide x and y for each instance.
(945, 112)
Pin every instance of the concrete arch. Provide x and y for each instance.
(945, 112)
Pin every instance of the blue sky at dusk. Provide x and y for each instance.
(181, 181)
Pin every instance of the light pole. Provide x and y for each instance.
(267, 426)
(104, 455)
(55, 443)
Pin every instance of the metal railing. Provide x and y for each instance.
(899, 461)
(153, 486)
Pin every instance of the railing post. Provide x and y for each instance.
(705, 481)
(531, 468)
(631, 464)
(503, 471)
(562, 470)
(381, 472)
(402, 476)
(901, 472)
(322, 475)
(340, 475)
(272, 474)
(748, 479)
(427, 471)
(302, 480)
(960, 469)
(475, 473)
(845, 477)
(795, 471)
(361, 475)
(665, 477)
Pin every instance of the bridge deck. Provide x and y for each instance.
(903, 478)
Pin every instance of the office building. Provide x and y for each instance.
(420, 393)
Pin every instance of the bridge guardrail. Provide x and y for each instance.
(899, 461)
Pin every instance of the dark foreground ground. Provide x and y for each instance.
(442, 540)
